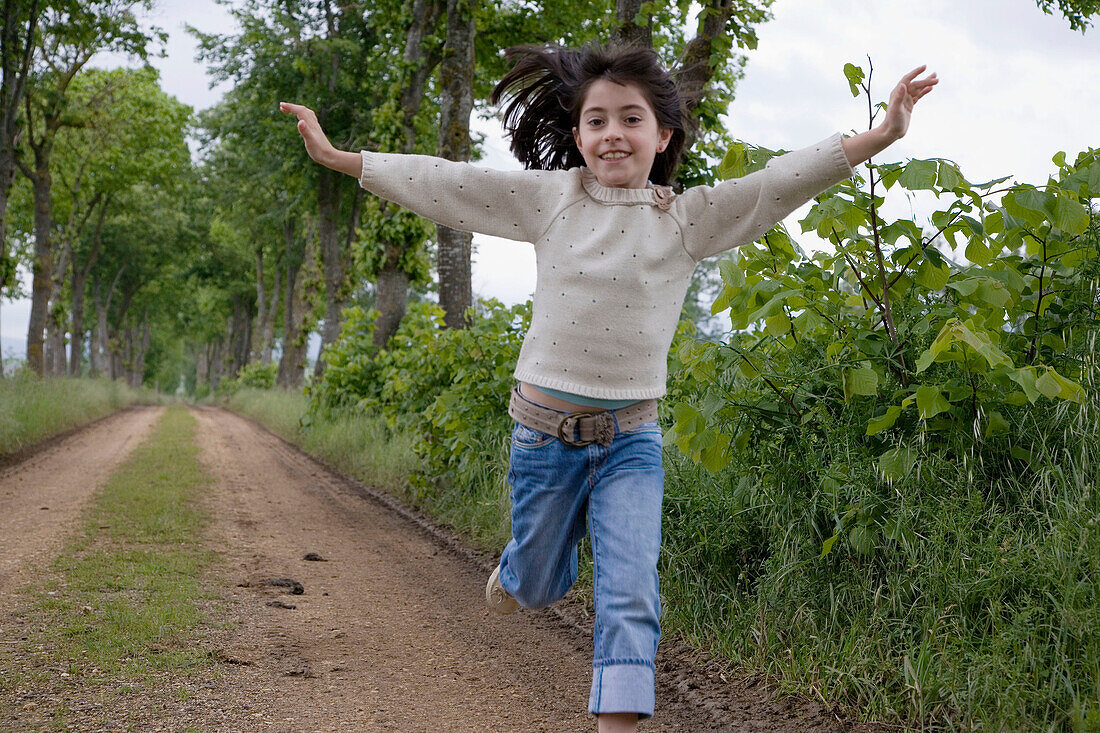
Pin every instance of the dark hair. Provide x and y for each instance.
(547, 86)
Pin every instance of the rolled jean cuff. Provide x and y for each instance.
(622, 688)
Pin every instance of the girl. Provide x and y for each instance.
(600, 130)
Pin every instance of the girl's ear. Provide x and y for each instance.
(577, 138)
(663, 136)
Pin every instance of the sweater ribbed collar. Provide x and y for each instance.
(659, 196)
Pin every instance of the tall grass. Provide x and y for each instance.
(33, 409)
(357, 444)
(974, 607)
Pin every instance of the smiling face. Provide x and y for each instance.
(618, 135)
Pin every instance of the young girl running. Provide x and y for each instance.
(601, 131)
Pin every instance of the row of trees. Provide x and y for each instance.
(146, 265)
(398, 76)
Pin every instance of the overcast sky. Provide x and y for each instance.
(1016, 87)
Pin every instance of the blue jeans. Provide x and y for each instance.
(618, 490)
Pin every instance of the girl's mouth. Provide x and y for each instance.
(614, 155)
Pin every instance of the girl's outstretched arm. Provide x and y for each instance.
(863, 146)
(318, 146)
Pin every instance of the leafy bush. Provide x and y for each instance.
(449, 388)
(887, 480)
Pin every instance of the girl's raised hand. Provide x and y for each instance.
(900, 107)
(318, 146)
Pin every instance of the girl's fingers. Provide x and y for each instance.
(913, 74)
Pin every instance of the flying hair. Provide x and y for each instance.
(546, 88)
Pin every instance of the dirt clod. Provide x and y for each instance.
(293, 586)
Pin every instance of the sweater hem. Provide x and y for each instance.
(583, 390)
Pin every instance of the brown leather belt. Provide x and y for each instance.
(580, 428)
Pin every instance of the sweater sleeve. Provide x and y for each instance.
(714, 219)
(512, 204)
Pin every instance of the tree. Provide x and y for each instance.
(71, 34)
(19, 23)
(130, 133)
(1077, 12)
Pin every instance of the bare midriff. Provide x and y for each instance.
(537, 396)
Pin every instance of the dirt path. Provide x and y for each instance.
(41, 497)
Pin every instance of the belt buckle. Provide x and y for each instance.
(576, 427)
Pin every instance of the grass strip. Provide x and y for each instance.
(32, 409)
(121, 608)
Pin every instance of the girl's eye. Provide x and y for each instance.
(595, 122)
(633, 119)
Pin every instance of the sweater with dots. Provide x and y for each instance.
(613, 264)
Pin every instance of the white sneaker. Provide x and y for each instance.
(496, 597)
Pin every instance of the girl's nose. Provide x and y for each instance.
(612, 132)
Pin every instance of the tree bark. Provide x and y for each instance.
(333, 257)
(299, 291)
(627, 31)
(16, 51)
(456, 103)
(391, 298)
(391, 281)
(42, 266)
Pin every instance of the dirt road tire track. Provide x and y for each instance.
(42, 496)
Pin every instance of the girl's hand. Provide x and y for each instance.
(900, 107)
(318, 146)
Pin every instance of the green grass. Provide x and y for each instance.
(122, 601)
(33, 409)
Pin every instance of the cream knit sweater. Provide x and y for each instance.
(613, 264)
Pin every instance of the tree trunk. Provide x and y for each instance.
(261, 305)
(76, 347)
(333, 257)
(456, 104)
(391, 291)
(16, 51)
(391, 299)
(42, 267)
(292, 361)
(627, 31)
(269, 320)
(299, 291)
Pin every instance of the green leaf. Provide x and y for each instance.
(1066, 389)
(978, 253)
(966, 287)
(862, 381)
(949, 175)
(827, 545)
(854, 75)
(996, 424)
(1048, 386)
(884, 422)
(1025, 377)
(732, 273)
(930, 401)
(735, 163)
(1069, 215)
(933, 277)
(777, 324)
(896, 463)
(919, 175)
